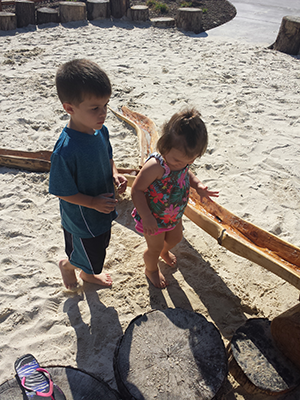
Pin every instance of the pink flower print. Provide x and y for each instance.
(170, 214)
(181, 180)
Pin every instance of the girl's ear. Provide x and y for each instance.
(68, 108)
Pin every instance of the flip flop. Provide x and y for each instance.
(36, 381)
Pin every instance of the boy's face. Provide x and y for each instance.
(89, 115)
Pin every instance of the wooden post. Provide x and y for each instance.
(285, 329)
(0, 5)
(189, 19)
(288, 39)
(46, 15)
(8, 21)
(139, 13)
(97, 9)
(163, 22)
(72, 11)
(119, 8)
(25, 12)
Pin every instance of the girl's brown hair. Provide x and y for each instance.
(186, 132)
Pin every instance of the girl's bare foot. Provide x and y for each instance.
(157, 278)
(102, 279)
(169, 258)
(68, 274)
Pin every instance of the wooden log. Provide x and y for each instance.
(0, 5)
(46, 15)
(118, 8)
(170, 354)
(72, 11)
(139, 13)
(288, 38)
(256, 362)
(189, 19)
(8, 21)
(25, 12)
(97, 9)
(285, 329)
(74, 383)
(163, 22)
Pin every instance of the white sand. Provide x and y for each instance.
(249, 99)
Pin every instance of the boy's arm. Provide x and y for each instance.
(200, 188)
(119, 180)
(150, 171)
(104, 203)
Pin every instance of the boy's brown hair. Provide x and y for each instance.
(185, 131)
(79, 78)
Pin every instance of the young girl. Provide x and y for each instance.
(161, 190)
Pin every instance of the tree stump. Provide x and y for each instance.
(163, 22)
(8, 21)
(256, 362)
(288, 38)
(285, 329)
(25, 12)
(189, 19)
(170, 354)
(46, 15)
(97, 9)
(118, 8)
(139, 13)
(72, 11)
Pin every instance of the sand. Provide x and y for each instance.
(249, 99)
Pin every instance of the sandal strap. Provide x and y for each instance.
(42, 394)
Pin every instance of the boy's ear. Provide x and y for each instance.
(68, 108)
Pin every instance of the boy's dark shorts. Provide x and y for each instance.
(87, 254)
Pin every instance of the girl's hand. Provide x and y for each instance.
(204, 192)
(120, 182)
(149, 225)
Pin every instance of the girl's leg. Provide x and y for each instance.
(171, 239)
(155, 245)
(68, 274)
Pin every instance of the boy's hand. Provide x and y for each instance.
(149, 225)
(204, 192)
(120, 182)
(104, 203)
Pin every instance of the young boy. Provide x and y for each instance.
(83, 172)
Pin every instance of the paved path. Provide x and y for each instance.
(257, 21)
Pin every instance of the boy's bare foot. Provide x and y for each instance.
(169, 258)
(68, 274)
(157, 278)
(102, 279)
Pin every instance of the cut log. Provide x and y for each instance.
(118, 8)
(8, 21)
(163, 22)
(46, 15)
(97, 9)
(74, 383)
(170, 354)
(189, 19)
(285, 329)
(256, 362)
(288, 38)
(139, 13)
(72, 11)
(25, 12)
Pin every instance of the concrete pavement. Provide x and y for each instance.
(257, 21)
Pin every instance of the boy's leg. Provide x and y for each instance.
(171, 239)
(68, 274)
(155, 245)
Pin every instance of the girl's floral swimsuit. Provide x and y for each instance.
(167, 197)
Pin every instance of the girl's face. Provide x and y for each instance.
(177, 159)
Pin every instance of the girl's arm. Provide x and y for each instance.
(151, 170)
(200, 188)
